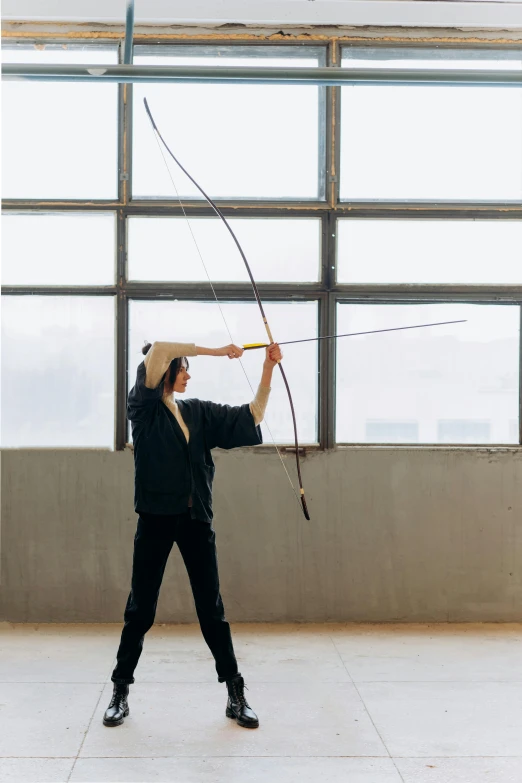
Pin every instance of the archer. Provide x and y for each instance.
(173, 499)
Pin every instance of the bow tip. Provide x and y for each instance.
(305, 508)
(149, 113)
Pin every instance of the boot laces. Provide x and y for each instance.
(238, 687)
(118, 697)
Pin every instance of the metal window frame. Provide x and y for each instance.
(326, 291)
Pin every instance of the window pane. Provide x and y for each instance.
(59, 139)
(277, 250)
(58, 377)
(476, 252)
(447, 143)
(58, 248)
(455, 383)
(236, 140)
(224, 381)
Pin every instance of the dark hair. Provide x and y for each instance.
(175, 366)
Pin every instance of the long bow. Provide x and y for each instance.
(256, 294)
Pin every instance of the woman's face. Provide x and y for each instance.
(182, 378)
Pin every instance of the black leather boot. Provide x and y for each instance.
(118, 709)
(237, 705)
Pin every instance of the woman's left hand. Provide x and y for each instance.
(273, 355)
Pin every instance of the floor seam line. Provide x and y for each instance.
(366, 709)
(88, 726)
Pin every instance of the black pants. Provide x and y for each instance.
(153, 541)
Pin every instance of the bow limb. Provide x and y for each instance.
(256, 294)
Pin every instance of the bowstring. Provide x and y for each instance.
(158, 141)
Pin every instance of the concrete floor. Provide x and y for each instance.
(337, 703)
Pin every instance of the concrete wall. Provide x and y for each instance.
(396, 534)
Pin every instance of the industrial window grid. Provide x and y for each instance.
(326, 292)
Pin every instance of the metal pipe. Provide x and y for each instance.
(259, 75)
(129, 33)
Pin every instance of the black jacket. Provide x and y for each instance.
(167, 469)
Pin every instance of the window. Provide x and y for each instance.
(278, 249)
(446, 143)
(248, 141)
(358, 208)
(58, 371)
(59, 140)
(441, 252)
(59, 248)
(460, 373)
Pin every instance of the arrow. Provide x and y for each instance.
(252, 346)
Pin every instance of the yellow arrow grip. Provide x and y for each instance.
(251, 346)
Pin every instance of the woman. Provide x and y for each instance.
(173, 498)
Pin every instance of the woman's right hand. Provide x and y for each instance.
(232, 351)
